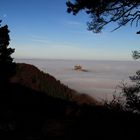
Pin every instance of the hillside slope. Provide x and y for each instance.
(26, 114)
(29, 114)
(30, 76)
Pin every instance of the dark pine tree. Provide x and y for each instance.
(6, 61)
(104, 12)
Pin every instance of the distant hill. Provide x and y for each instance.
(31, 77)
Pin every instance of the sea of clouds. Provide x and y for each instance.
(100, 80)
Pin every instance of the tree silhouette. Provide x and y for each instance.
(103, 12)
(6, 61)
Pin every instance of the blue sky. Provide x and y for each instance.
(43, 29)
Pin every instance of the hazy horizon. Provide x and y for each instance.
(73, 59)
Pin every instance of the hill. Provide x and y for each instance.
(26, 114)
(29, 114)
(31, 77)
